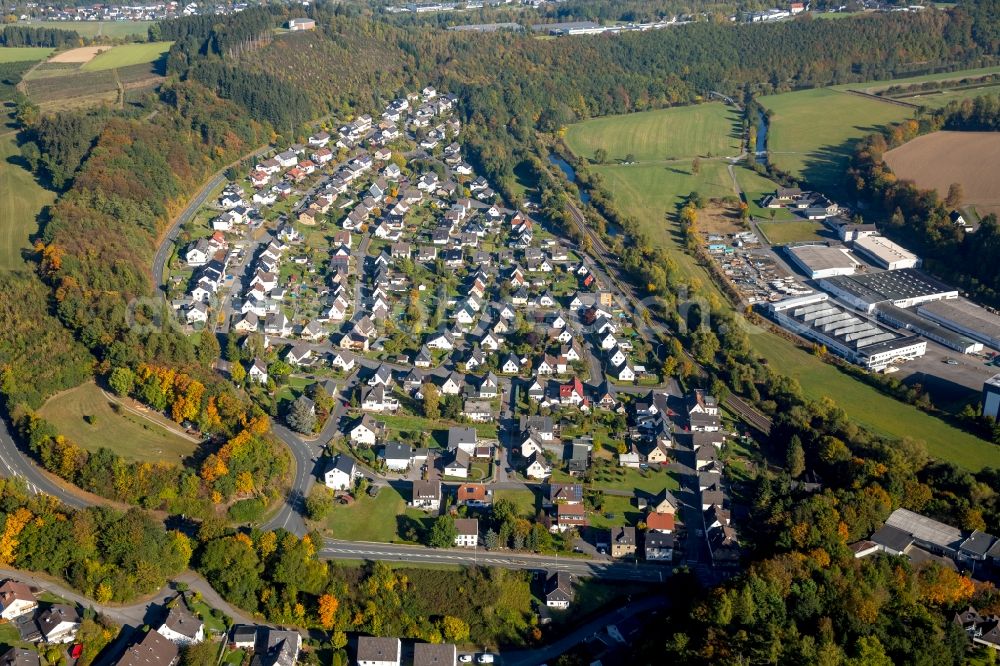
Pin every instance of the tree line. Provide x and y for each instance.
(19, 35)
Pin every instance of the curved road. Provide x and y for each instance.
(15, 463)
(170, 235)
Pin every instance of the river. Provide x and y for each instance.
(761, 148)
(567, 169)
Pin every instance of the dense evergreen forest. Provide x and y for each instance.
(18, 35)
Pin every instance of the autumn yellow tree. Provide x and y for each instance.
(328, 605)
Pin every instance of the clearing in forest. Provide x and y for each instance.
(93, 420)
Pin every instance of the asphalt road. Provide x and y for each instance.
(334, 549)
(17, 464)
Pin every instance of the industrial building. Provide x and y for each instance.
(848, 231)
(991, 397)
(820, 261)
(885, 254)
(912, 321)
(818, 318)
(967, 318)
(903, 288)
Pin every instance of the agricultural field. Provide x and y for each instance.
(111, 29)
(871, 409)
(71, 88)
(24, 53)
(654, 136)
(812, 132)
(793, 231)
(21, 200)
(93, 420)
(935, 161)
(126, 55)
(874, 87)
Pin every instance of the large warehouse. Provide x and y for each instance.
(903, 288)
(820, 261)
(885, 254)
(816, 317)
(912, 321)
(967, 318)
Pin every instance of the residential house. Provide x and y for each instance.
(664, 502)
(341, 473)
(559, 591)
(623, 542)
(569, 516)
(658, 547)
(478, 411)
(434, 654)
(458, 466)
(365, 431)
(462, 438)
(257, 372)
(152, 650)
(377, 399)
(426, 495)
(475, 495)
(537, 467)
(59, 623)
(467, 532)
(703, 412)
(16, 599)
(378, 651)
(571, 393)
(396, 456)
(181, 626)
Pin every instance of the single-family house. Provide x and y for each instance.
(467, 532)
(426, 495)
(181, 626)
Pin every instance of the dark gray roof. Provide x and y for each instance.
(430, 654)
(19, 657)
(378, 649)
(55, 614)
(152, 650)
(978, 543)
(559, 586)
(183, 621)
(396, 451)
(892, 538)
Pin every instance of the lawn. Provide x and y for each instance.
(24, 53)
(21, 200)
(792, 231)
(666, 134)
(96, 28)
(409, 423)
(126, 55)
(610, 476)
(871, 409)
(126, 433)
(614, 512)
(525, 500)
(373, 518)
(812, 132)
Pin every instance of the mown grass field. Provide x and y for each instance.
(651, 194)
(813, 131)
(126, 55)
(126, 433)
(96, 28)
(666, 134)
(21, 200)
(873, 410)
(792, 231)
(372, 518)
(24, 53)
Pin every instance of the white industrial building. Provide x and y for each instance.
(820, 261)
(991, 397)
(818, 318)
(904, 288)
(885, 254)
(965, 317)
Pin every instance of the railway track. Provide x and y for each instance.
(647, 328)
